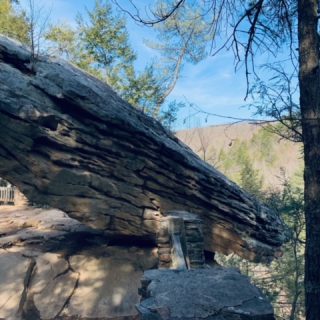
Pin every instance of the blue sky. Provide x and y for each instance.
(212, 84)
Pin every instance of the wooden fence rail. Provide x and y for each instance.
(7, 195)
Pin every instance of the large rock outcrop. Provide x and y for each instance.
(67, 140)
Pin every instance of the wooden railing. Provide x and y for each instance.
(7, 195)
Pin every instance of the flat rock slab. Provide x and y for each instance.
(53, 267)
(211, 294)
(24, 224)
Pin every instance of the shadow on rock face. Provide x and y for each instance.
(91, 243)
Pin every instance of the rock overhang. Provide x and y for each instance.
(70, 142)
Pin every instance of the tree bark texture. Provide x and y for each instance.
(309, 80)
(67, 140)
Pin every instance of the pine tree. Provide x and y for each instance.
(100, 45)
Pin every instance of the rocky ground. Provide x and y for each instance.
(53, 267)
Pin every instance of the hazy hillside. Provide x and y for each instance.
(234, 148)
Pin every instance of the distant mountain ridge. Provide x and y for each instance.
(231, 147)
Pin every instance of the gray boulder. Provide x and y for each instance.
(211, 294)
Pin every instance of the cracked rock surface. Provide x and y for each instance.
(53, 267)
(212, 294)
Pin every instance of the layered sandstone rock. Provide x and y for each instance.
(67, 140)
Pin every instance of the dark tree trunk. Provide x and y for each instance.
(309, 80)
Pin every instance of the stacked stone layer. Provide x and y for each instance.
(68, 141)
